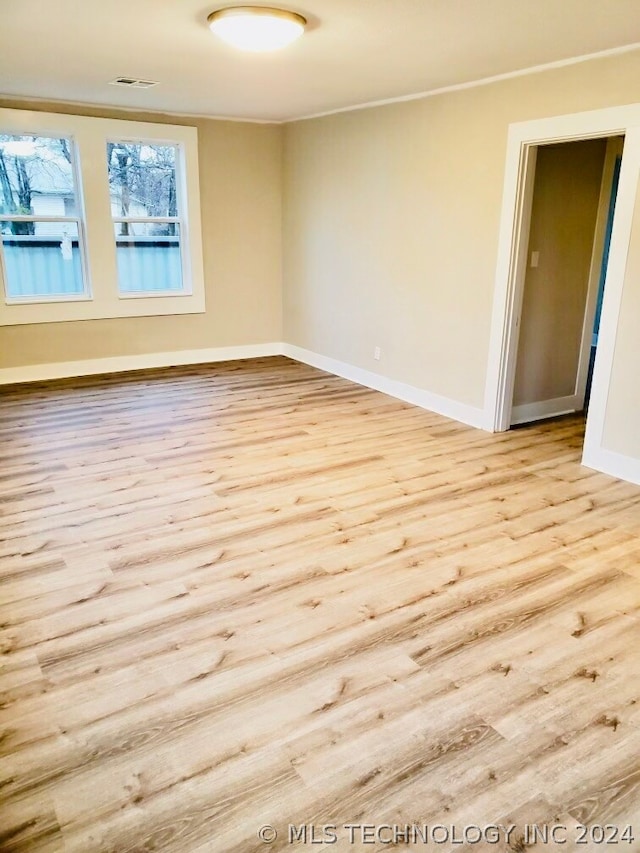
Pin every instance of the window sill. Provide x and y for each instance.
(21, 314)
(43, 299)
(149, 294)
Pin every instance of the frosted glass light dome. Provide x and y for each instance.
(256, 28)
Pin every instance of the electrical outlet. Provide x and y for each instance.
(535, 259)
(376, 353)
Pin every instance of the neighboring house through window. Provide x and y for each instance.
(40, 219)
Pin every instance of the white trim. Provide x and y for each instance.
(121, 363)
(52, 103)
(612, 463)
(615, 464)
(416, 96)
(117, 364)
(528, 412)
(472, 84)
(607, 461)
(501, 366)
(89, 135)
(32, 217)
(614, 284)
(508, 283)
(400, 390)
(518, 261)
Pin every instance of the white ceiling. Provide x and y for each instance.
(354, 51)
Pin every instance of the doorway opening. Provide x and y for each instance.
(524, 139)
(613, 195)
(573, 191)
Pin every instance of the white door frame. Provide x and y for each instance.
(574, 402)
(512, 256)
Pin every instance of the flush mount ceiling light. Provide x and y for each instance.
(256, 28)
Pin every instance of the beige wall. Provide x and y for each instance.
(240, 193)
(563, 221)
(391, 222)
(390, 239)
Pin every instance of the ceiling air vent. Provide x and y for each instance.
(133, 83)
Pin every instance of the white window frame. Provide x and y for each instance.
(102, 299)
(180, 220)
(78, 220)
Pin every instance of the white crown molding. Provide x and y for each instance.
(400, 390)
(416, 96)
(166, 113)
(472, 84)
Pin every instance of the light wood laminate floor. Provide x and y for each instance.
(253, 593)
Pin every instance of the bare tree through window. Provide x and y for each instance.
(40, 225)
(144, 207)
(142, 179)
(32, 166)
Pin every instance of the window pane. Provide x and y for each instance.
(44, 263)
(36, 177)
(149, 258)
(142, 179)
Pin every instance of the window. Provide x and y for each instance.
(145, 206)
(40, 219)
(99, 218)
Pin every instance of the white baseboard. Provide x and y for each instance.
(528, 412)
(612, 463)
(407, 393)
(118, 364)
(606, 461)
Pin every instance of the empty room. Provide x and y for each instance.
(319, 426)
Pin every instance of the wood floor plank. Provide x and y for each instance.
(253, 593)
